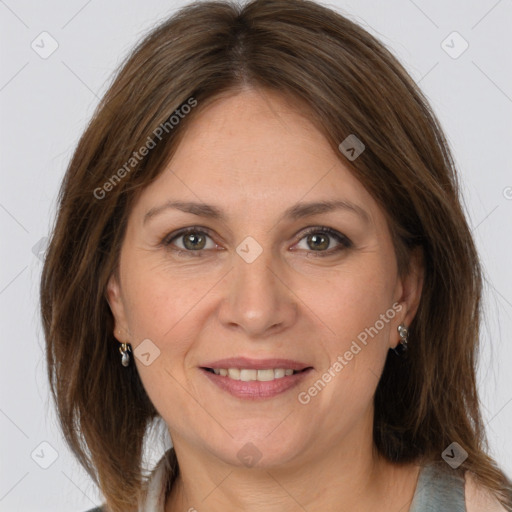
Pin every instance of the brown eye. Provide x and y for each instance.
(193, 241)
(189, 240)
(318, 240)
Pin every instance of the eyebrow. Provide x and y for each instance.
(295, 212)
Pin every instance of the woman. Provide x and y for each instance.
(260, 245)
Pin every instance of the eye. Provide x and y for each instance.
(318, 239)
(191, 239)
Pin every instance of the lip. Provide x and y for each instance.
(256, 390)
(256, 364)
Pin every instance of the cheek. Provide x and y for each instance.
(358, 313)
(164, 310)
(357, 309)
(159, 300)
(353, 300)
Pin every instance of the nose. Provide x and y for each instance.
(258, 301)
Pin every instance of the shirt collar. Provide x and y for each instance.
(154, 500)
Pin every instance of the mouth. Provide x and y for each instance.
(250, 374)
(255, 379)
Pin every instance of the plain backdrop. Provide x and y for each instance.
(46, 103)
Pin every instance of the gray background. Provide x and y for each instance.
(45, 105)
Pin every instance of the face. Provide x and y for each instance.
(259, 277)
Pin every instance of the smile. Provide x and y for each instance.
(252, 384)
(247, 375)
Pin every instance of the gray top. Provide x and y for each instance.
(439, 490)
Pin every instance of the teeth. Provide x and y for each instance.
(248, 375)
(234, 373)
(265, 375)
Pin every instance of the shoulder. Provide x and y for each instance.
(478, 498)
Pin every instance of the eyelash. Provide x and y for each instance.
(344, 242)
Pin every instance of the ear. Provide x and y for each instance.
(409, 289)
(115, 301)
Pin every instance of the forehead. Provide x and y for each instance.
(254, 150)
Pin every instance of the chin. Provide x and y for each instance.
(257, 451)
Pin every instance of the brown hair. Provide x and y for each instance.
(351, 85)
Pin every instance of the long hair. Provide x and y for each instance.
(351, 84)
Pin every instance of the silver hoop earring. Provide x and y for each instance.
(125, 350)
(402, 348)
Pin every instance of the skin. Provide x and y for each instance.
(253, 154)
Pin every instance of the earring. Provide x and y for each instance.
(402, 348)
(125, 350)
